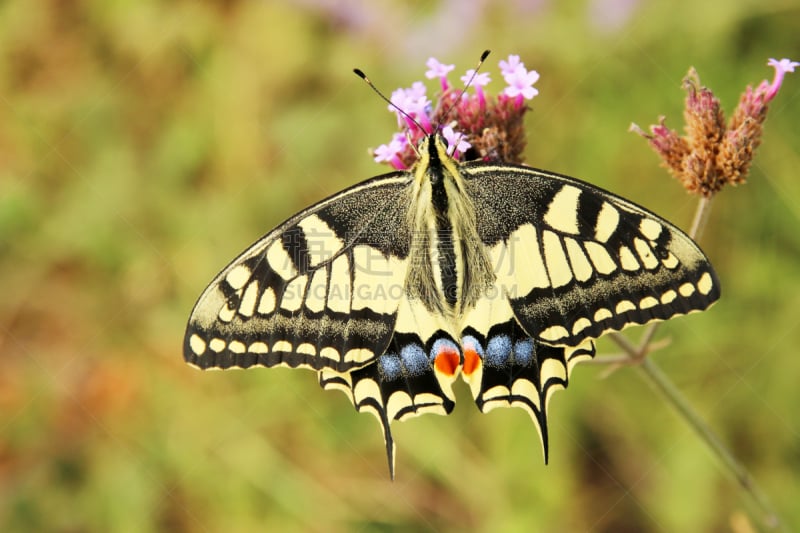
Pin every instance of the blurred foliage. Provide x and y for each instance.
(144, 143)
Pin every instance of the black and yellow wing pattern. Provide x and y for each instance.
(500, 274)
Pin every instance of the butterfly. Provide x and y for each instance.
(500, 274)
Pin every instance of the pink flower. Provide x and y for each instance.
(781, 68)
(714, 153)
(438, 70)
(520, 84)
(488, 126)
(390, 153)
(508, 68)
(456, 141)
(478, 81)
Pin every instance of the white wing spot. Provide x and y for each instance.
(238, 276)
(518, 262)
(307, 349)
(554, 333)
(602, 314)
(627, 259)
(384, 277)
(237, 347)
(600, 258)
(668, 297)
(686, 290)
(330, 353)
(248, 304)
(226, 313)
(267, 303)
(323, 243)
(671, 261)
(562, 213)
(553, 368)
(625, 306)
(557, 265)
(647, 302)
(650, 228)
(282, 346)
(704, 284)
(580, 325)
(294, 294)
(280, 262)
(338, 299)
(258, 347)
(494, 394)
(197, 344)
(396, 403)
(367, 388)
(317, 289)
(358, 355)
(646, 254)
(217, 345)
(581, 266)
(607, 221)
(526, 389)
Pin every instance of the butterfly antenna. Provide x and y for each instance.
(364, 77)
(484, 55)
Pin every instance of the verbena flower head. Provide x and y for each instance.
(712, 154)
(476, 126)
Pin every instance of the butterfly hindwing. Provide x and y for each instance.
(520, 371)
(400, 384)
(320, 291)
(576, 261)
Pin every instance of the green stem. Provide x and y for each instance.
(678, 401)
(675, 398)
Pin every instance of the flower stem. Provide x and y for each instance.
(678, 401)
(673, 396)
(700, 218)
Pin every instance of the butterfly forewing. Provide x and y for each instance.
(576, 261)
(320, 291)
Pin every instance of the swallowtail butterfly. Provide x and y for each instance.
(500, 274)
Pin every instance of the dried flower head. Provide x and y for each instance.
(712, 154)
(475, 124)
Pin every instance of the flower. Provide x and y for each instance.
(712, 153)
(456, 141)
(781, 68)
(508, 68)
(390, 153)
(438, 70)
(520, 84)
(413, 103)
(478, 81)
(478, 125)
(520, 81)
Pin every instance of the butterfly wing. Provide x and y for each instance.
(576, 261)
(506, 367)
(401, 384)
(571, 262)
(320, 291)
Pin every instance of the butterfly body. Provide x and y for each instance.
(500, 274)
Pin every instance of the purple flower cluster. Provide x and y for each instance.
(712, 153)
(469, 119)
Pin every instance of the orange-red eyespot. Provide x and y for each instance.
(446, 357)
(473, 354)
(471, 361)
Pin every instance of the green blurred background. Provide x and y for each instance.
(143, 144)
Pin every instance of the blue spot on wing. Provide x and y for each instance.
(523, 352)
(498, 350)
(414, 359)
